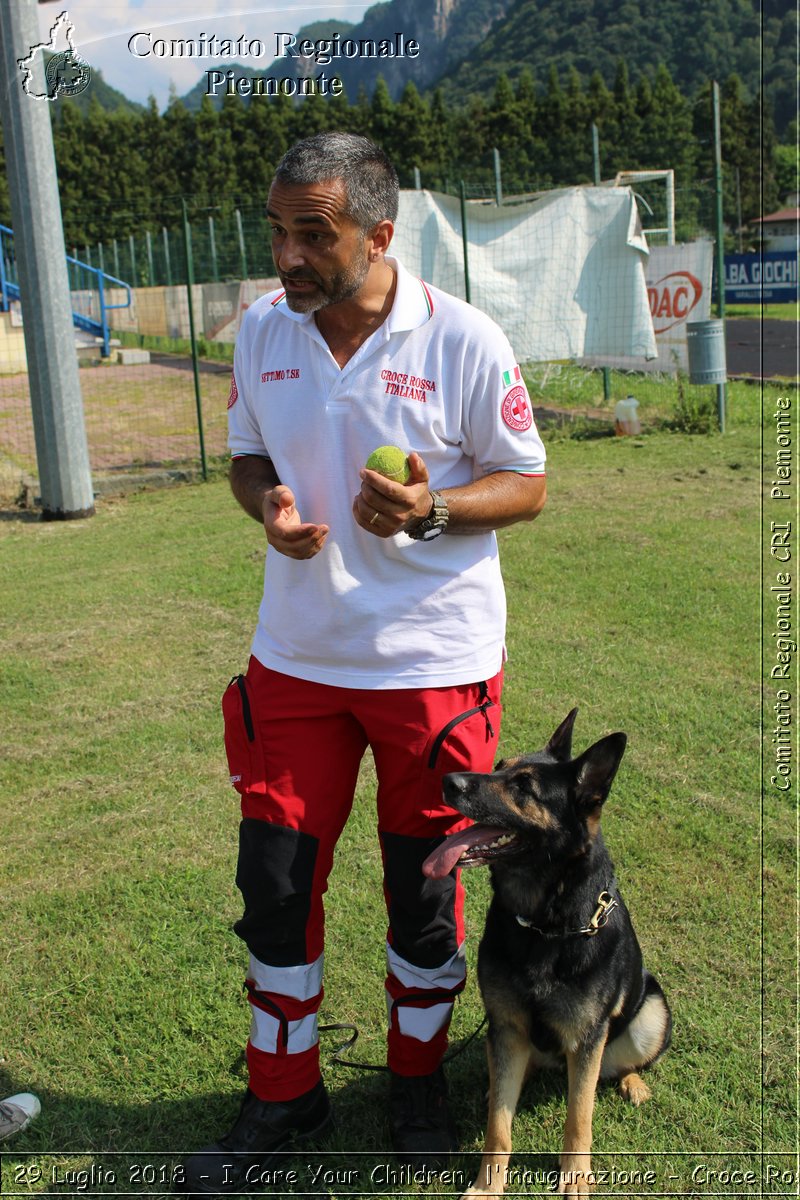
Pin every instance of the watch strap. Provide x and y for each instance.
(436, 521)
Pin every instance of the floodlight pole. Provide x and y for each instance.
(62, 452)
(498, 177)
(716, 120)
(597, 181)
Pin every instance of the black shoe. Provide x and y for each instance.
(246, 1156)
(422, 1128)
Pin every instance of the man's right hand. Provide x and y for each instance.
(285, 531)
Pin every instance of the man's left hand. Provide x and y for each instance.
(384, 507)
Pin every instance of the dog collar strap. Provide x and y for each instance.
(605, 906)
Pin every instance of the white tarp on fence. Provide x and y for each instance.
(679, 290)
(564, 276)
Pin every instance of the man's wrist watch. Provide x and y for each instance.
(435, 522)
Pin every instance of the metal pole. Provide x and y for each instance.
(241, 243)
(465, 242)
(720, 235)
(596, 168)
(103, 321)
(718, 199)
(166, 255)
(417, 180)
(213, 242)
(595, 161)
(670, 208)
(148, 241)
(62, 450)
(498, 177)
(132, 248)
(187, 241)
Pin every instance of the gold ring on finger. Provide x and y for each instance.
(375, 518)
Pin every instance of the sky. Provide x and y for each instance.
(104, 28)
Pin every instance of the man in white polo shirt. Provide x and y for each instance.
(382, 625)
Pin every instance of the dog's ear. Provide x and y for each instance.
(560, 744)
(596, 769)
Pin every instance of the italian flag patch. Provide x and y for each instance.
(513, 376)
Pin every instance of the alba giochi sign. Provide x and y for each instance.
(761, 278)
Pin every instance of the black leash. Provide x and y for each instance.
(336, 1056)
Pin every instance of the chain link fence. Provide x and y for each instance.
(155, 390)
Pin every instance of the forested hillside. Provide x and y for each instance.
(124, 172)
(466, 45)
(528, 77)
(696, 42)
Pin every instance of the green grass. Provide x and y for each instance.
(662, 398)
(633, 596)
(218, 351)
(766, 312)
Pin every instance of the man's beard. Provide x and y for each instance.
(343, 286)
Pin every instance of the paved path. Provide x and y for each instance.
(762, 349)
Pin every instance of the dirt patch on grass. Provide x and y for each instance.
(140, 416)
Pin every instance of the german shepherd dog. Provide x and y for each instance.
(559, 967)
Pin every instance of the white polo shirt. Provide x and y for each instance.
(438, 377)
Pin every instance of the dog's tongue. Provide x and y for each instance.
(441, 861)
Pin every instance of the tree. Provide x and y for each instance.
(532, 144)
(442, 140)
(624, 130)
(178, 136)
(382, 120)
(470, 129)
(416, 148)
(156, 144)
(70, 149)
(667, 139)
(506, 132)
(214, 175)
(265, 144)
(576, 148)
(311, 115)
(760, 191)
(553, 128)
(787, 182)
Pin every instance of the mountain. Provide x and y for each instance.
(465, 45)
(696, 42)
(447, 32)
(314, 32)
(106, 96)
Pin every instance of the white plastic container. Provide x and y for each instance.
(626, 417)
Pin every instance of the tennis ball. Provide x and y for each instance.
(391, 462)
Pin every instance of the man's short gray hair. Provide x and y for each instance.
(368, 176)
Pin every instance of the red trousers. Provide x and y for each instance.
(294, 750)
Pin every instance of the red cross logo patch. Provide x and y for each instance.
(516, 410)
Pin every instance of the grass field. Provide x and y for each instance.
(766, 312)
(635, 596)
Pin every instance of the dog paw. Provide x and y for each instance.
(476, 1192)
(575, 1177)
(634, 1089)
